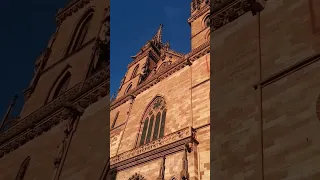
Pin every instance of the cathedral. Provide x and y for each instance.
(66, 106)
(160, 118)
(265, 93)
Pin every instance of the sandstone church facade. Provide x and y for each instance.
(66, 108)
(265, 99)
(160, 122)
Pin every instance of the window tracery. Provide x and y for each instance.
(153, 121)
(134, 72)
(80, 32)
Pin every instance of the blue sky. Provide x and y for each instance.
(133, 23)
(26, 27)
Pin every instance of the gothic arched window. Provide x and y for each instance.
(115, 120)
(80, 32)
(207, 21)
(62, 86)
(134, 72)
(128, 88)
(153, 121)
(23, 168)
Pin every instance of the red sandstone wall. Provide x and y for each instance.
(291, 135)
(87, 154)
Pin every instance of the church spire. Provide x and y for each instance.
(158, 36)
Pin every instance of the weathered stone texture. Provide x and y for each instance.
(315, 15)
(87, 156)
(291, 142)
(203, 152)
(123, 109)
(287, 35)
(199, 31)
(42, 150)
(148, 170)
(292, 132)
(175, 90)
(89, 148)
(235, 140)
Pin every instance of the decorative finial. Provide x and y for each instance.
(158, 36)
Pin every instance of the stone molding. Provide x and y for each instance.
(164, 73)
(287, 71)
(51, 114)
(169, 144)
(200, 12)
(318, 107)
(226, 11)
(71, 8)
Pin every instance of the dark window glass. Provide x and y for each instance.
(162, 123)
(115, 119)
(145, 127)
(129, 88)
(150, 129)
(156, 127)
(134, 72)
(62, 86)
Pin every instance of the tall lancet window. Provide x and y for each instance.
(80, 32)
(63, 85)
(23, 168)
(153, 121)
(134, 72)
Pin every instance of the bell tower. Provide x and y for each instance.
(199, 22)
(154, 55)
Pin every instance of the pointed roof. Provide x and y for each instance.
(158, 36)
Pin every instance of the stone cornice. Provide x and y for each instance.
(216, 5)
(227, 11)
(199, 51)
(167, 145)
(170, 51)
(199, 13)
(164, 73)
(71, 8)
(51, 114)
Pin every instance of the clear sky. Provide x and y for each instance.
(26, 27)
(133, 23)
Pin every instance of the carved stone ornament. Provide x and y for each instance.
(137, 176)
(166, 140)
(222, 16)
(72, 7)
